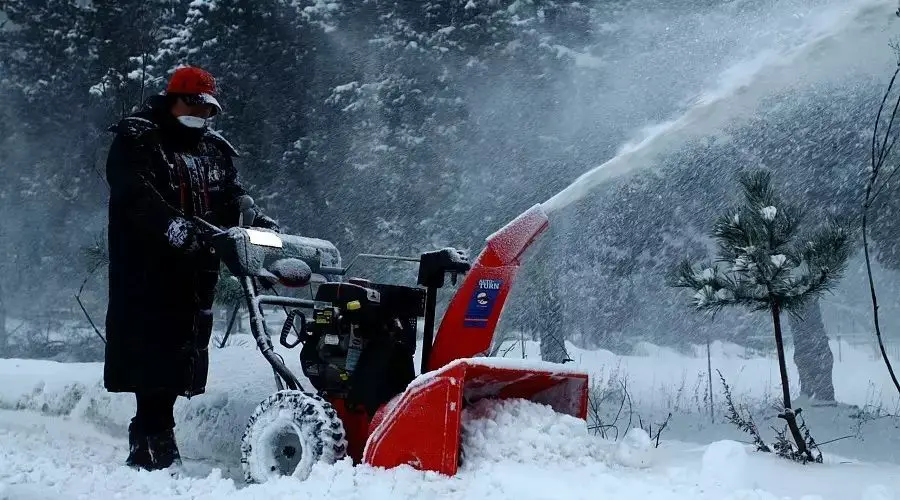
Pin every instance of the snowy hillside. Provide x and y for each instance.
(63, 436)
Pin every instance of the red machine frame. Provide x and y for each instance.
(421, 427)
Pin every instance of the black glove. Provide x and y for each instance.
(183, 235)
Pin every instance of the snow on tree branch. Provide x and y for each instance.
(765, 259)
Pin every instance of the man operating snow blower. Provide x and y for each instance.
(166, 166)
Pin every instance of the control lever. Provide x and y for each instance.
(288, 325)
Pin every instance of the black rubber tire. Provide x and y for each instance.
(288, 433)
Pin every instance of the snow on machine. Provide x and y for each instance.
(358, 341)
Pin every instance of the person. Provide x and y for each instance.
(165, 166)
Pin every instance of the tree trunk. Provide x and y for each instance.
(812, 354)
(550, 327)
(4, 335)
(235, 312)
(875, 315)
(788, 414)
(4, 271)
(553, 348)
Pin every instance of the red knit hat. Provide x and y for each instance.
(195, 85)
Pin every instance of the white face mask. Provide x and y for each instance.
(192, 121)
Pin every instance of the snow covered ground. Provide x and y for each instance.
(63, 436)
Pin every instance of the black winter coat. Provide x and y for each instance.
(159, 318)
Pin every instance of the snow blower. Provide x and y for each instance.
(358, 343)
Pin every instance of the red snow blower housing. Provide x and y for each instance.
(358, 344)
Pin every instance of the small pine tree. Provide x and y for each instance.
(767, 266)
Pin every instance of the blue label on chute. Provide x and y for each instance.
(482, 303)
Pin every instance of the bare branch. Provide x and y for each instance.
(873, 179)
(81, 304)
(835, 440)
(877, 164)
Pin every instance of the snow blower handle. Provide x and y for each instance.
(207, 226)
(246, 217)
(207, 232)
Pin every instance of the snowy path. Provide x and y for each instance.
(54, 458)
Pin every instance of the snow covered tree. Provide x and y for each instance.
(126, 36)
(766, 265)
(450, 115)
(274, 64)
(47, 59)
(405, 115)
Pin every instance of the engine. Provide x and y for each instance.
(361, 340)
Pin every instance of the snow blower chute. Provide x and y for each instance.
(358, 340)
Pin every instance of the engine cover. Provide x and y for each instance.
(361, 347)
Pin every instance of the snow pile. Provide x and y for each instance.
(635, 449)
(208, 426)
(725, 463)
(523, 432)
(52, 459)
(45, 386)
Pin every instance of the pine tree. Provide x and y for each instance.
(406, 114)
(48, 63)
(46, 57)
(423, 141)
(766, 265)
(127, 35)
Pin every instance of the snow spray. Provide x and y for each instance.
(830, 40)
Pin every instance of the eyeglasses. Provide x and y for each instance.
(203, 105)
(198, 108)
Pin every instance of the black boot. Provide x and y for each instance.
(138, 450)
(163, 450)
